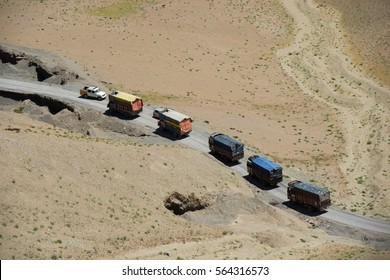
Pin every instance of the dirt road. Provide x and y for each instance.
(275, 74)
(198, 140)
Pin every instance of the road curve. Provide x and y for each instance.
(197, 140)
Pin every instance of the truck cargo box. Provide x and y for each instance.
(125, 103)
(175, 122)
(265, 170)
(309, 195)
(225, 146)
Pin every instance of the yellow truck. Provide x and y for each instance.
(176, 123)
(125, 103)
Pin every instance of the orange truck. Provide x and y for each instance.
(125, 103)
(176, 123)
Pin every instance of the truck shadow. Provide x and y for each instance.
(92, 99)
(168, 135)
(119, 115)
(225, 160)
(302, 209)
(258, 183)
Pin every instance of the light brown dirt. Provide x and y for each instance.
(367, 24)
(277, 75)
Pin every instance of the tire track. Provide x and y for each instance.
(318, 63)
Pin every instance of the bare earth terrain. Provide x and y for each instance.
(285, 77)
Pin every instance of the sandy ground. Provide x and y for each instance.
(89, 200)
(279, 75)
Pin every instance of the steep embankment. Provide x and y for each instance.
(97, 198)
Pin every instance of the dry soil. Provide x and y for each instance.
(285, 77)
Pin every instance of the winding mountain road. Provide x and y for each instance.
(197, 140)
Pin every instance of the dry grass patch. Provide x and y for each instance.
(121, 8)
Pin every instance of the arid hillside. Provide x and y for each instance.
(367, 24)
(279, 75)
(66, 195)
(302, 82)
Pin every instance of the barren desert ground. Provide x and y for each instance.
(304, 82)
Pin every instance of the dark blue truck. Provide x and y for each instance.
(265, 170)
(225, 146)
(311, 196)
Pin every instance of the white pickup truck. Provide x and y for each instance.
(93, 92)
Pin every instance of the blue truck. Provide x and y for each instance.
(311, 196)
(265, 170)
(225, 146)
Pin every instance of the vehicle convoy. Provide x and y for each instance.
(92, 92)
(175, 122)
(265, 170)
(309, 195)
(225, 146)
(125, 103)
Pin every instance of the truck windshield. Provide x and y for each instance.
(276, 173)
(325, 196)
(238, 147)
